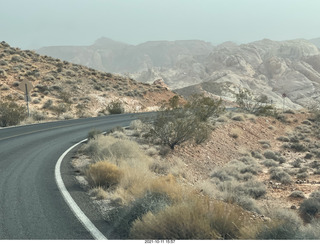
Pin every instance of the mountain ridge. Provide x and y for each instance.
(264, 66)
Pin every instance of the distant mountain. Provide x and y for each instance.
(111, 56)
(266, 66)
(316, 41)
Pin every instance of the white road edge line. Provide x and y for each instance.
(96, 234)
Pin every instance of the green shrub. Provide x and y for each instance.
(254, 189)
(296, 163)
(270, 163)
(115, 107)
(298, 147)
(270, 155)
(204, 107)
(280, 175)
(257, 155)
(303, 175)
(11, 113)
(309, 208)
(285, 226)
(173, 127)
(297, 194)
(315, 165)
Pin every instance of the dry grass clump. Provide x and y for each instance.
(116, 150)
(103, 174)
(196, 219)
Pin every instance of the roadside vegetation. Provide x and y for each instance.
(144, 195)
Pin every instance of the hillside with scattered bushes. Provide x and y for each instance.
(62, 90)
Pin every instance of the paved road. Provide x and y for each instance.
(31, 206)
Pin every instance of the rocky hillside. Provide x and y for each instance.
(265, 67)
(67, 90)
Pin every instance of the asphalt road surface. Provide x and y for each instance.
(31, 205)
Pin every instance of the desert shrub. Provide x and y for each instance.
(310, 231)
(11, 113)
(173, 127)
(252, 188)
(270, 155)
(182, 221)
(115, 107)
(103, 174)
(285, 225)
(117, 128)
(280, 175)
(315, 164)
(242, 169)
(265, 144)
(283, 139)
(123, 217)
(230, 193)
(204, 107)
(99, 193)
(202, 133)
(116, 150)
(174, 101)
(93, 133)
(303, 175)
(257, 105)
(281, 159)
(238, 118)
(296, 163)
(315, 194)
(309, 208)
(270, 163)
(159, 168)
(38, 116)
(47, 104)
(257, 155)
(297, 194)
(298, 147)
(59, 109)
(308, 156)
(136, 125)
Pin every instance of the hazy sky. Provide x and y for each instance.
(32, 24)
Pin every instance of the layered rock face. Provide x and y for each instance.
(264, 67)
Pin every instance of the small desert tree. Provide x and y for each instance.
(204, 107)
(175, 126)
(257, 105)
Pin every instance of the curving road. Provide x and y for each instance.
(31, 206)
